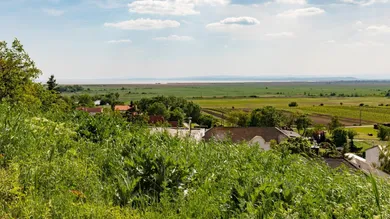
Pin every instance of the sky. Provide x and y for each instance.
(124, 39)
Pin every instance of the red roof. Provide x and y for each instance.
(122, 107)
(90, 110)
(156, 119)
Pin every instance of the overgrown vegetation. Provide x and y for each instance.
(60, 163)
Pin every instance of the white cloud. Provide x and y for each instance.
(174, 38)
(364, 2)
(302, 12)
(108, 4)
(119, 41)
(330, 41)
(143, 24)
(298, 2)
(171, 7)
(53, 12)
(233, 22)
(378, 29)
(162, 7)
(280, 35)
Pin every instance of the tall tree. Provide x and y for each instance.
(334, 124)
(266, 117)
(52, 83)
(17, 72)
(303, 122)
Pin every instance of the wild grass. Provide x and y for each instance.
(56, 165)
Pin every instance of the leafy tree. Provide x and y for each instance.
(207, 120)
(293, 104)
(266, 117)
(340, 137)
(177, 115)
(296, 146)
(158, 109)
(303, 122)
(85, 100)
(351, 135)
(17, 72)
(52, 83)
(334, 124)
(239, 118)
(385, 158)
(383, 133)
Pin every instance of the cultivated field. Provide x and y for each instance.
(338, 98)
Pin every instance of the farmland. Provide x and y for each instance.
(320, 100)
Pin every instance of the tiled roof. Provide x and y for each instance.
(122, 107)
(239, 134)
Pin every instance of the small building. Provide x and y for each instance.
(121, 108)
(253, 135)
(91, 111)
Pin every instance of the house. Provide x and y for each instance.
(366, 165)
(254, 135)
(196, 134)
(121, 108)
(91, 111)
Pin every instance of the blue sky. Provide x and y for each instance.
(86, 39)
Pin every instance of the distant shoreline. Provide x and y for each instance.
(205, 82)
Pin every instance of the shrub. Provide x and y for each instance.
(293, 104)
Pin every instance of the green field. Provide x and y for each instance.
(265, 89)
(338, 98)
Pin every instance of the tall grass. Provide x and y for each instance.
(56, 165)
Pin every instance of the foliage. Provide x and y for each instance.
(207, 120)
(171, 103)
(70, 88)
(296, 146)
(303, 122)
(238, 117)
(158, 109)
(293, 104)
(385, 158)
(266, 117)
(17, 72)
(177, 115)
(83, 100)
(383, 133)
(72, 165)
(340, 137)
(52, 83)
(334, 124)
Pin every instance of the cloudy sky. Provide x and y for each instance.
(82, 39)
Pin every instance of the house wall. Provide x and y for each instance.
(261, 142)
(372, 156)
